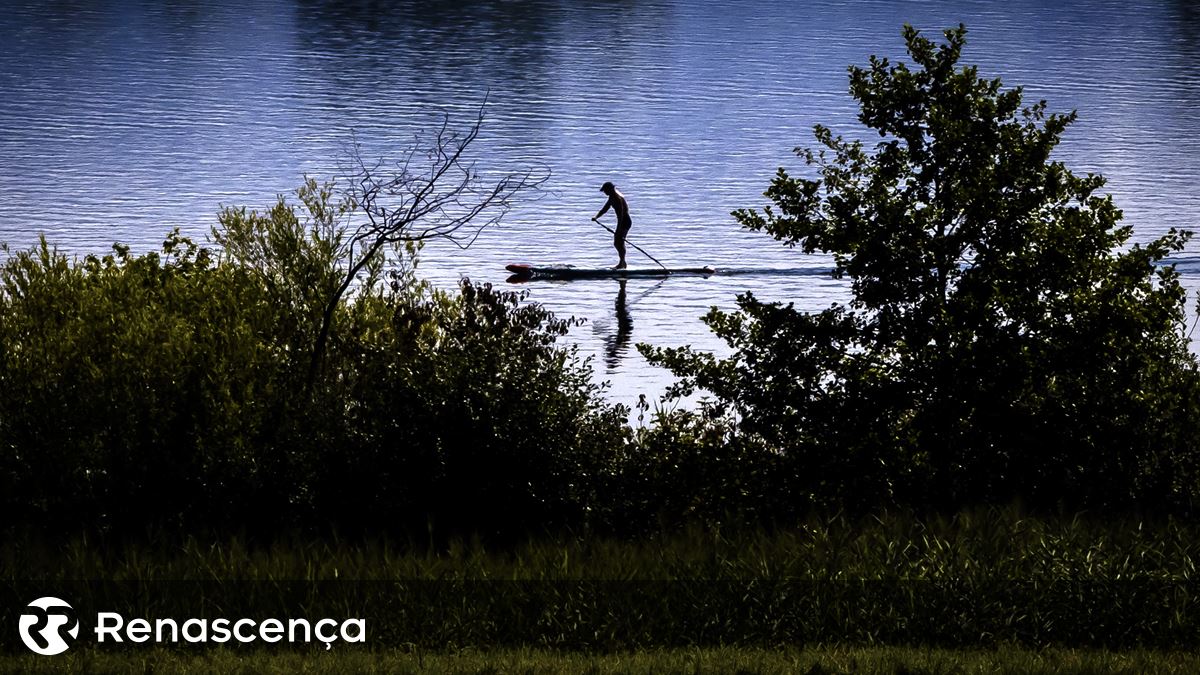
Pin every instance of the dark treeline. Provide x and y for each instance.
(1004, 343)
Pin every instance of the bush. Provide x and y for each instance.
(134, 390)
(172, 391)
(462, 409)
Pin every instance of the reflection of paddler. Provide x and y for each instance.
(616, 201)
(615, 346)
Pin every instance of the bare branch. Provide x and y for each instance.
(431, 192)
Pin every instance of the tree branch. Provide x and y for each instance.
(415, 201)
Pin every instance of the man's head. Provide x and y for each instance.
(608, 189)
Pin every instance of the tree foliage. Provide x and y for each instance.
(1005, 340)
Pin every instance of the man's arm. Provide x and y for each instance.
(604, 210)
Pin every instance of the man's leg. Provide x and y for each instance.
(619, 244)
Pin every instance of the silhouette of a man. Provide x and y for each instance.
(616, 201)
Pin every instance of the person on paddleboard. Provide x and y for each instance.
(616, 201)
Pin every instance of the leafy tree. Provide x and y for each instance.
(1004, 339)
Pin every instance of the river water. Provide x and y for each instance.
(122, 120)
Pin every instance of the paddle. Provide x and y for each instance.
(631, 244)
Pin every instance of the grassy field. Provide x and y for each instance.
(994, 580)
(812, 662)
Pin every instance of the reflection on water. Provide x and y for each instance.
(617, 343)
(122, 120)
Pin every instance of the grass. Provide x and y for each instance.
(827, 661)
(996, 543)
(982, 579)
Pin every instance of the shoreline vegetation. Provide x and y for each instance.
(290, 417)
(989, 543)
(814, 661)
(980, 579)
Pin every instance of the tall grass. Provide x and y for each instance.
(979, 578)
(821, 661)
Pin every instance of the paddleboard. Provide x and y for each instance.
(528, 272)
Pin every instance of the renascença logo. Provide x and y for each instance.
(44, 623)
(46, 620)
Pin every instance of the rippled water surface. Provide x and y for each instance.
(121, 120)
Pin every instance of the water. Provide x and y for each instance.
(121, 120)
